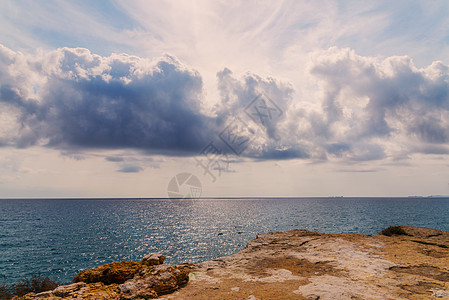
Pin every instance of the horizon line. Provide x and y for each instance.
(217, 198)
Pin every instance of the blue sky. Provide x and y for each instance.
(114, 98)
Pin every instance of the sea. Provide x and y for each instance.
(60, 237)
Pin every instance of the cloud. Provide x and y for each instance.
(260, 106)
(357, 170)
(131, 162)
(89, 101)
(130, 169)
(114, 158)
(70, 98)
(369, 108)
(372, 103)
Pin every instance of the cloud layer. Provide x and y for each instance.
(368, 109)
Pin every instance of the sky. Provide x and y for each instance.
(249, 98)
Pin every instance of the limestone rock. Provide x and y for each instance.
(115, 272)
(153, 259)
(45, 294)
(160, 280)
(65, 290)
(300, 264)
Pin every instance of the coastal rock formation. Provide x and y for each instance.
(153, 259)
(122, 280)
(150, 282)
(401, 263)
(410, 263)
(115, 272)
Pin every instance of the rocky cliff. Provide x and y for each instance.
(402, 263)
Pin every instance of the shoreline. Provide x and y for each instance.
(412, 263)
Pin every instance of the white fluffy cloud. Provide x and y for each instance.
(387, 105)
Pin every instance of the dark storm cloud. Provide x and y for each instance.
(115, 102)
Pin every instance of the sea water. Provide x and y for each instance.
(60, 237)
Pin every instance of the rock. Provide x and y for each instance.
(97, 291)
(122, 280)
(153, 259)
(135, 289)
(45, 294)
(441, 294)
(148, 294)
(160, 280)
(66, 290)
(300, 264)
(115, 272)
(28, 296)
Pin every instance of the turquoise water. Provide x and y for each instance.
(59, 237)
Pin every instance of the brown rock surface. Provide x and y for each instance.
(153, 259)
(114, 272)
(300, 264)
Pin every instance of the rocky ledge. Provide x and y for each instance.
(401, 263)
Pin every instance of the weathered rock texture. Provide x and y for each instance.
(115, 272)
(411, 263)
(122, 280)
(300, 264)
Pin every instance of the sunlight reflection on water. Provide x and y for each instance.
(59, 237)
